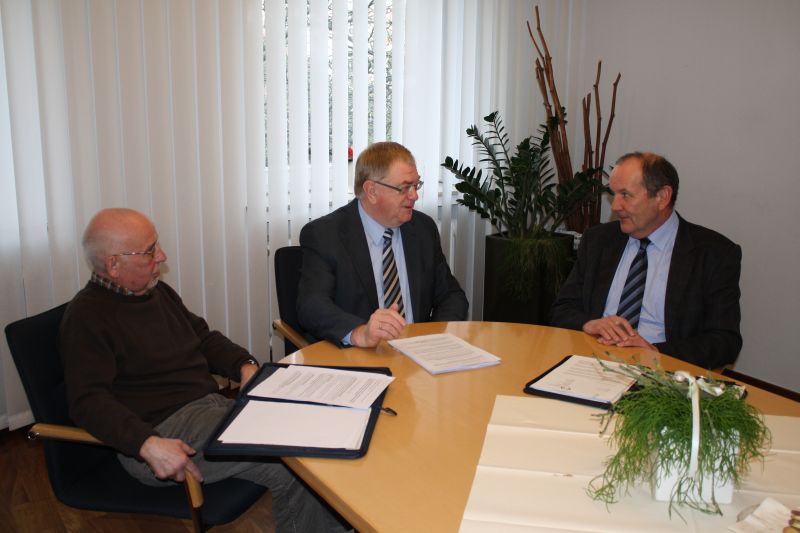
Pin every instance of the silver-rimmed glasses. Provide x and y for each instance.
(405, 189)
(151, 251)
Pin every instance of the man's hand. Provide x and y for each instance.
(634, 340)
(610, 329)
(168, 458)
(246, 371)
(616, 331)
(383, 324)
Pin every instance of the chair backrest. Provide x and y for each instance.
(288, 262)
(34, 347)
(761, 384)
(33, 342)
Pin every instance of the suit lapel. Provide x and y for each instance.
(680, 268)
(355, 243)
(609, 259)
(413, 264)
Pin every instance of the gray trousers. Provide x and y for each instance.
(295, 508)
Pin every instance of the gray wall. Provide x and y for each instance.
(715, 86)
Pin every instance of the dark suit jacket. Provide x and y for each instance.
(337, 286)
(701, 309)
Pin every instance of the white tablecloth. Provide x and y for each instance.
(539, 456)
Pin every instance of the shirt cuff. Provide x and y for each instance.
(346, 339)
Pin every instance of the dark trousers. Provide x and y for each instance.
(295, 508)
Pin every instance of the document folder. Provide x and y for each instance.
(600, 392)
(217, 448)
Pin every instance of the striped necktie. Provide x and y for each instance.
(630, 302)
(391, 281)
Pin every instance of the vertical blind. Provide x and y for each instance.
(228, 123)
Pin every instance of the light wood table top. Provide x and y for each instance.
(420, 465)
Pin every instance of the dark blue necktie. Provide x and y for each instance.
(391, 281)
(630, 303)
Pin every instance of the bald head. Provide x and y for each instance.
(112, 231)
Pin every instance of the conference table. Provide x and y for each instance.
(418, 471)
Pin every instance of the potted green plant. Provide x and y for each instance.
(526, 259)
(691, 439)
(527, 201)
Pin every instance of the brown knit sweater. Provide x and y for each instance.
(131, 361)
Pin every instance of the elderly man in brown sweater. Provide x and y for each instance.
(138, 364)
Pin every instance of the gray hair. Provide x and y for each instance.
(375, 160)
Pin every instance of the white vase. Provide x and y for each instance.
(664, 485)
(710, 491)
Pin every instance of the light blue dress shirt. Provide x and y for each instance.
(659, 256)
(374, 233)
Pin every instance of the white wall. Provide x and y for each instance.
(714, 85)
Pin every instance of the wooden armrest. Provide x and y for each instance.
(194, 488)
(289, 333)
(58, 432)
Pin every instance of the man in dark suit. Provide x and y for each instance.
(689, 307)
(362, 283)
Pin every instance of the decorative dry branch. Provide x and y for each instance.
(610, 118)
(598, 115)
(587, 134)
(594, 153)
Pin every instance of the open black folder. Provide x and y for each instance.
(216, 448)
(581, 379)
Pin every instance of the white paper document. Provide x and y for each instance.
(294, 424)
(323, 385)
(584, 377)
(770, 515)
(443, 352)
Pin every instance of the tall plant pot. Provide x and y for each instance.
(501, 303)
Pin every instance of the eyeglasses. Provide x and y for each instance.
(405, 189)
(151, 251)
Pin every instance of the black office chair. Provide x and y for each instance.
(771, 387)
(288, 262)
(83, 472)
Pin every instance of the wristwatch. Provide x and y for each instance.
(252, 361)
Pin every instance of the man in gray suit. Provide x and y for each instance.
(376, 264)
(689, 283)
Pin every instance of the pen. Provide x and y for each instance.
(389, 411)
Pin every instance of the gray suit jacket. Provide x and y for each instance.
(701, 309)
(337, 286)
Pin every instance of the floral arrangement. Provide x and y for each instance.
(701, 430)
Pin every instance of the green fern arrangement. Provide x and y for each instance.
(653, 430)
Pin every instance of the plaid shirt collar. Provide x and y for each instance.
(113, 287)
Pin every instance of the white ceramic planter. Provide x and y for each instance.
(664, 486)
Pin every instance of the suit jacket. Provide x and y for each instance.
(701, 308)
(337, 286)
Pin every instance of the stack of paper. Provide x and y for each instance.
(297, 424)
(327, 386)
(333, 413)
(443, 352)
